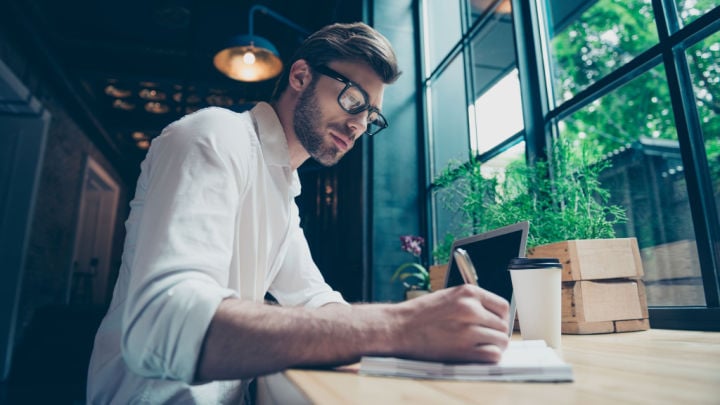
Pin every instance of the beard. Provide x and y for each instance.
(307, 113)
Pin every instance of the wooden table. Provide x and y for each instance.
(650, 367)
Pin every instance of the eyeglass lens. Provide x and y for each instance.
(353, 100)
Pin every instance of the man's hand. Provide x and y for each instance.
(464, 323)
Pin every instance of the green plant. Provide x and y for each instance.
(563, 198)
(413, 274)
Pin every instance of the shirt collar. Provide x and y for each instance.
(274, 143)
(271, 135)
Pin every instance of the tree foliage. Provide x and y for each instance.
(609, 34)
(562, 200)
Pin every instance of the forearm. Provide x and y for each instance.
(247, 339)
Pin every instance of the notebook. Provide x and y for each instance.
(528, 360)
(490, 253)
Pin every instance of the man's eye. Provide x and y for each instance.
(352, 101)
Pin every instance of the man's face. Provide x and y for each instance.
(323, 127)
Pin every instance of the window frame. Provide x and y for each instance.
(541, 118)
(670, 52)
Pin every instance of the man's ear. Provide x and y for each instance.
(300, 75)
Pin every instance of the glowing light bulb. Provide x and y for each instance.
(249, 58)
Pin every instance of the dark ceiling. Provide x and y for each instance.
(137, 65)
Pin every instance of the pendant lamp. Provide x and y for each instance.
(252, 58)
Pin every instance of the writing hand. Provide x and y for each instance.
(464, 323)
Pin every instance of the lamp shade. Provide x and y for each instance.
(248, 58)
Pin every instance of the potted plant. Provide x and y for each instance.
(563, 199)
(413, 275)
(570, 219)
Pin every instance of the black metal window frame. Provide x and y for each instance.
(670, 50)
(540, 119)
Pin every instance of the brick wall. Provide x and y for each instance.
(52, 236)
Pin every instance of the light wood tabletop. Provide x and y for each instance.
(649, 367)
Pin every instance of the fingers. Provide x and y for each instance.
(485, 308)
(483, 333)
(488, 353)
(482, 317)
(495, 304)
(491, 337)
(477, 344)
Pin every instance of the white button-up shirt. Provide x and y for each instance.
(213, 216)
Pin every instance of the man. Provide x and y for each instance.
(214, 226)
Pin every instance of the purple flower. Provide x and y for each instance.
(412, 244)
(413, 275)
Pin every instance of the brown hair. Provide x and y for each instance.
(346, 42)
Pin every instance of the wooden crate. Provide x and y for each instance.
(438, 272)
(605, 306)
(603, 291)
(594, 259)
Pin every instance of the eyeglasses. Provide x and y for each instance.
(354, 100)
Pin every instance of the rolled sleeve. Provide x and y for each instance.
(165, 335)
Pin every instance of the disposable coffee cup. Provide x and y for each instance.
(536, 287)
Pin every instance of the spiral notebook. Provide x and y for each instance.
(529, 360)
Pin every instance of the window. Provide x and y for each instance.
(634, 82)
(589, 39)
(498, 113)
(449, 132)
(449, 135)
(704, 64)
(633, 128)
(472, 93)
(442, 30)
(646, 100)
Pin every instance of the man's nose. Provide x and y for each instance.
(358, 124)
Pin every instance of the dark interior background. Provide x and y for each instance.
(109, 52)
(77, 61)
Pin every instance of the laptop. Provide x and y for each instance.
(490, 253)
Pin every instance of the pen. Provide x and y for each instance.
(467, 270)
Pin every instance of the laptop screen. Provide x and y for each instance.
(490, 253)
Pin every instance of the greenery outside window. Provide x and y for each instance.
(634, 82)
(703, 60)
(590, 39)
(691, 10)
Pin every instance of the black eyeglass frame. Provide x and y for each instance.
(326, 71)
